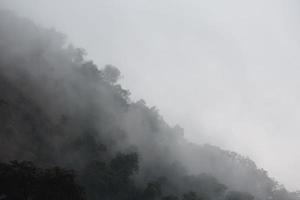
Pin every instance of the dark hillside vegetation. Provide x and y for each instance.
(65, 122)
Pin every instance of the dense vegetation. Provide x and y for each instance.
(23, 180)
(73, 132)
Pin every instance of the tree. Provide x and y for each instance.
(190, 196)
(233, 195)
(170, 197)
(24, 181)
(152, 191)
(18, 180)
(125, 164)
(57, 183)
(111, 74)
(111, 180)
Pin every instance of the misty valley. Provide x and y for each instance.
(69, 130)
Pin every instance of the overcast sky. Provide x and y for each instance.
(227, 71)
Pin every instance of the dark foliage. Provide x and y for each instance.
(24, 181)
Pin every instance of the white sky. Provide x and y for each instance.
(226, 71)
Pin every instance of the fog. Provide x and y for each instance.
(225, 71)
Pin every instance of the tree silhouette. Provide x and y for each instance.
(25, 181)
(190, 196)
(111, 74)
(233, 195)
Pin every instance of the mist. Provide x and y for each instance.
(226, 72)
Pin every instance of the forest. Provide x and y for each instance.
(69, 130)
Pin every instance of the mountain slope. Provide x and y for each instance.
(56, 108)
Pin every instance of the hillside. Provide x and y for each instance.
(59, 109)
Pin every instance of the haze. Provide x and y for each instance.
(226, 71)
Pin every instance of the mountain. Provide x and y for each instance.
(59, 109)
